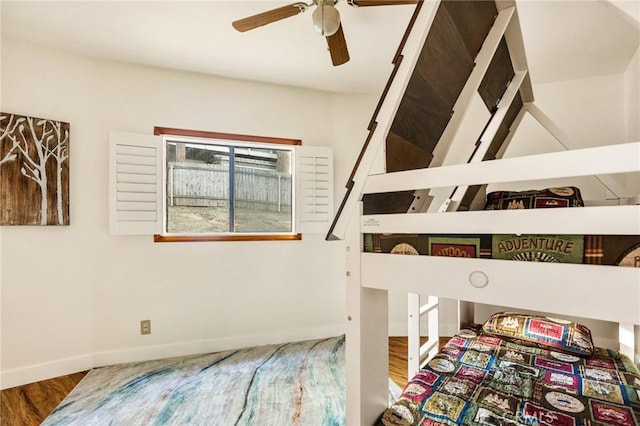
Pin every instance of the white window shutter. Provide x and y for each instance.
(314, 180)
(135, 184)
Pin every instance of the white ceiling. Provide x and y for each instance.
(564, 39)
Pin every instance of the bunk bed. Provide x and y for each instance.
(425, 168)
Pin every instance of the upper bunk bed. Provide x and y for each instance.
(459, 89)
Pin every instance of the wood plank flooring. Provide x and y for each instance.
(398, 358)
(29, 405)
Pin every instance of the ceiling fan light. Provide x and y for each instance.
(326, 19)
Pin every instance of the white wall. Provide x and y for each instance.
(632, 98)
(73, 297)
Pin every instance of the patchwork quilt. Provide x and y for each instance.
(481, 379)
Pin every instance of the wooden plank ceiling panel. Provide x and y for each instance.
(387, 203)
(497, 78)
(442, 69)
(473, 19)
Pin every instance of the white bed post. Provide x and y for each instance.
(432, 345)
(466, 313)
(367, 342)
(413, 334)
(626, 337)
(417, 352)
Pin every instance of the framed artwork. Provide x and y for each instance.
(34, 171)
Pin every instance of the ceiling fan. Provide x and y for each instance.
(326, 20)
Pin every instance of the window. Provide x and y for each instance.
(219, 186)
(183, 185)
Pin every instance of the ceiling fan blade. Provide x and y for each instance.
(268, 17)
(338, 48)
(366, 3)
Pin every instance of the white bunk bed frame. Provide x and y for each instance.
(370, 276)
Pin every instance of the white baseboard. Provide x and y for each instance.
(35, 373)
(44, 371)
(147, 353)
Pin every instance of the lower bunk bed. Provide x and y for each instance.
(520, 369)
(513, 369)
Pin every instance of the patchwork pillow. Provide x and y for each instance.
(544, 332)
(567, 196)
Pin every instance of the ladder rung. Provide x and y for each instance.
(428, 345)
(425, 309)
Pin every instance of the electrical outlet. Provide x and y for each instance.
(145, 327)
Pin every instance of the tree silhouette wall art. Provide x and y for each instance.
(34, 171)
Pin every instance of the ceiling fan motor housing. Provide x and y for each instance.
(326, 18)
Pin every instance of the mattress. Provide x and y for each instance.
(481, 379)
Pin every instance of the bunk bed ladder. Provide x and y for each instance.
(419, 355)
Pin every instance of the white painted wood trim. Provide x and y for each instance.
(430, 306)
(429, 349)
(432, 345)
(621, 158)
(38, 372)
(136, 167)
(515, 42)
(45, 371)
(626, 339)
(498, 117)
(525, 285)
(598, 220)
(512, 131)
(487, 136)
(353, 344)
(314, 188)
(192, 347)
(416, 353)
(550, 126)
(413, 334)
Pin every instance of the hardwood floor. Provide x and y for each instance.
(398, 358)
(29, 405)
